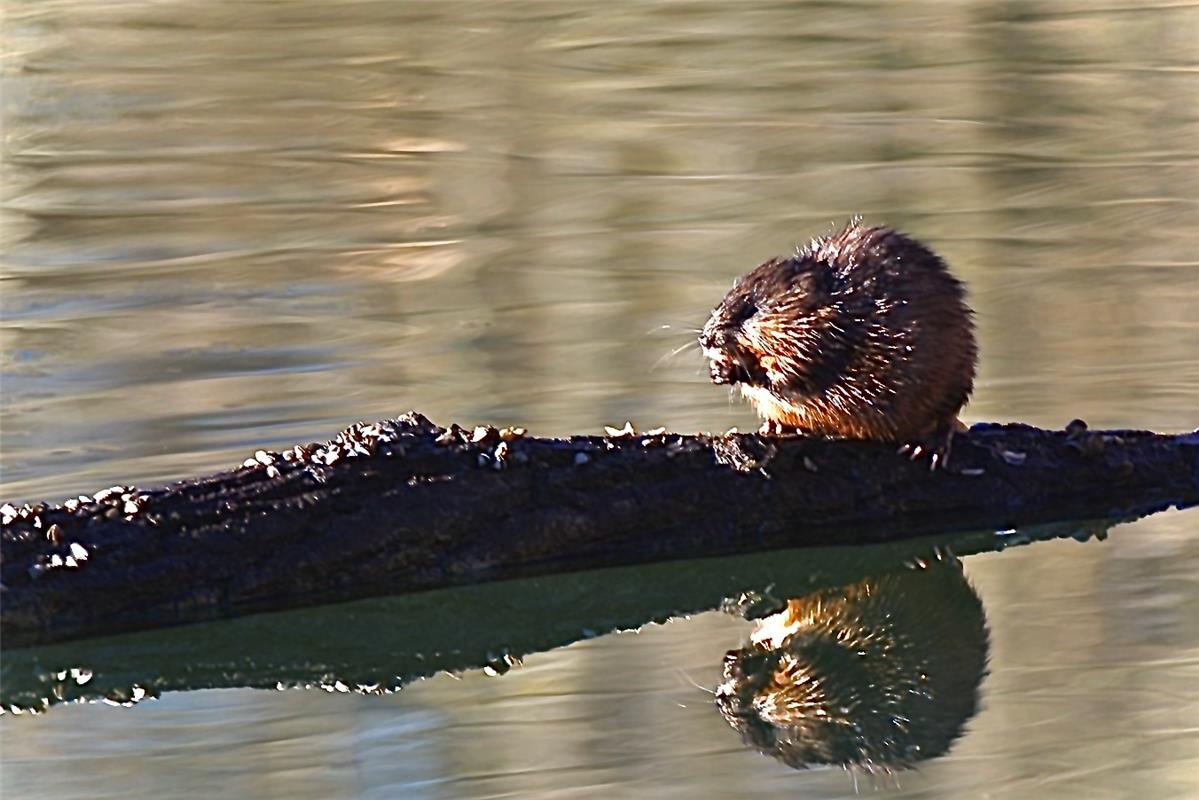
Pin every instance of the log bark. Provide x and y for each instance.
(404, 505)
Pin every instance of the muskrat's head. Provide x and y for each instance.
(767, 328)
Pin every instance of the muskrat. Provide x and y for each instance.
(863, 334)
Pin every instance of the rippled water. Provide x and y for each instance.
(236, 225)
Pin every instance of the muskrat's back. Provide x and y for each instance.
(863, 334)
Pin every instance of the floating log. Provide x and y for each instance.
(404, 505)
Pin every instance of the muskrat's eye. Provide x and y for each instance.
(743, 312)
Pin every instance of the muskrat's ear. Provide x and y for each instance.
(811, 278)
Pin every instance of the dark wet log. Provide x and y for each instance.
(403, 505)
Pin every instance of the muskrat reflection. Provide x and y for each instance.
(877, 675)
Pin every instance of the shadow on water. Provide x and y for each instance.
(863, 656)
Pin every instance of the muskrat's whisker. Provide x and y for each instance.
(693, 682)
(675, 329)
(691, 343)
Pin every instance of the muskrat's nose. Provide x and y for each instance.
(726, 370)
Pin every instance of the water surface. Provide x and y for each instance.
(238, 225)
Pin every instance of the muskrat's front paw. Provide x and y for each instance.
(917, 450)
(773, 428)
(936, 447)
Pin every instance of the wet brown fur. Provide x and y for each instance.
(863, 334)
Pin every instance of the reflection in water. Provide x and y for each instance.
(878, 674)
(638, 725)
(383, 644)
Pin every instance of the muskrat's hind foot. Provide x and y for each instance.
(936, 445)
